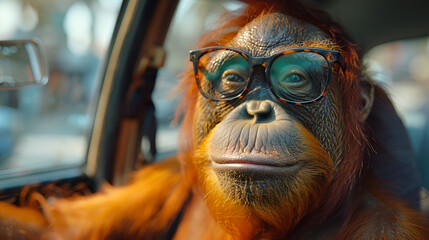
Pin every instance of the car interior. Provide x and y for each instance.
(108, 107)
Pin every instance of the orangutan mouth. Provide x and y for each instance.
(254, 164)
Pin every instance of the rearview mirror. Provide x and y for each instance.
(22, 63)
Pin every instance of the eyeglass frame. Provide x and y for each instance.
(331, 57)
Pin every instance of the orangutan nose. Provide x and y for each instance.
(259, 109)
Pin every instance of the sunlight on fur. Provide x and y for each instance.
(257, 208)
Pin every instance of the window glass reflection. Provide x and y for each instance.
(46, 128)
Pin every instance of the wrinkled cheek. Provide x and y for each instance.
(207, 116)
(330, 130)
(205, 175)
(199, 130)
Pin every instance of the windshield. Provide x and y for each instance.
(47, 128)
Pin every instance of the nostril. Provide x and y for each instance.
(265, 107)
(258, 108)
(252, 107)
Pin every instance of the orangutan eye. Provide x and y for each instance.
(300, 76)
(294, 79)
(232, 78)
(226, 73)
(232, 81)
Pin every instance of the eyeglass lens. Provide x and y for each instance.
(299, 76)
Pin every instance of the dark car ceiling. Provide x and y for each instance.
(372, 22)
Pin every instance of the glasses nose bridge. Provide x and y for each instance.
(255, 62)
(258, 61)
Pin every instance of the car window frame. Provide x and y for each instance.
(135, 33)
(143, 27)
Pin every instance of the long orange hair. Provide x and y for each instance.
(350, 168)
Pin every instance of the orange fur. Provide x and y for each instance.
(346, 178)
(147, 207)
(229, 25)
(272, 215)
(381, 216)
(141, 210)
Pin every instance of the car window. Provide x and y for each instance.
(199, 16)
(401, 67)
(46, 129)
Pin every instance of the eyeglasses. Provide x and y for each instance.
(297, 75)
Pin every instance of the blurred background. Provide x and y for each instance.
(45, 128)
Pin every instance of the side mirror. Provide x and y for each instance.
(22, 63)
